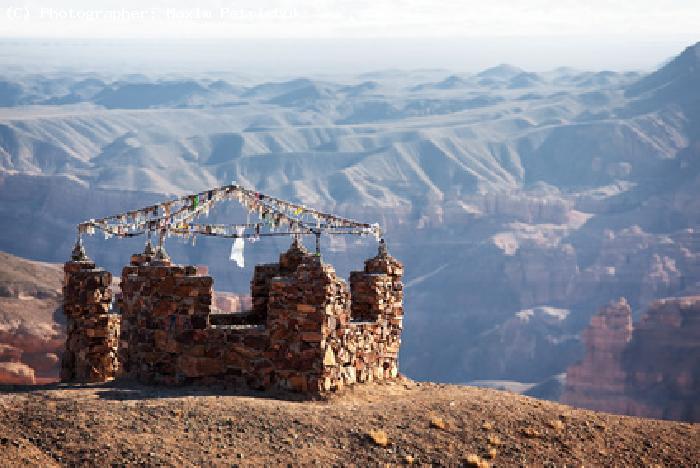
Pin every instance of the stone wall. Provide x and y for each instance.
(92, 331)
(260, 290)
(301, 335)
(167, 309)
(264, 274)
(170, 339)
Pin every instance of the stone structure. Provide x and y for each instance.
(648, 369)
(304, 333)
(92, 330)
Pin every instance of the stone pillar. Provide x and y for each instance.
(300, 307)
(389, 305)
(366, 348)
(128, 308)
(377, 292)
(92, 331)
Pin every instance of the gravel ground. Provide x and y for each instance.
(407, 422)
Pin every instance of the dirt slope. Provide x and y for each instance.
(423, 423)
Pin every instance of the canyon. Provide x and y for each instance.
(649, 368)
(32, 327)
(520, 202)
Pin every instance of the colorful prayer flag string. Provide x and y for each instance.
(176, 217)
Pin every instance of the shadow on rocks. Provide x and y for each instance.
(125, 390)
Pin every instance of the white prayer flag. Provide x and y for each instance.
(237, 249)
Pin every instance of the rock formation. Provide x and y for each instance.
(16, 373)
(662, 361)
(228, 302)
(650, 369)
(598, 381)
(31, 338)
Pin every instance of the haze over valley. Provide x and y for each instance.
(519, 201)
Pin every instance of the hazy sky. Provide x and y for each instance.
(609, 33)
(347, 18)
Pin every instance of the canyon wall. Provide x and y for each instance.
(649, 369)
(32, 334)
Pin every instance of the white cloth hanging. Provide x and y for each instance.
(237, 248)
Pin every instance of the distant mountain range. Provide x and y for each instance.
(503, 192)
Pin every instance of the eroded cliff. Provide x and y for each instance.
(650, 369)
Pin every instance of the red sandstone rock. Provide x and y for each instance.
(30, 293)
(9, 353)
(44, 364)
(650, 370)
(227, 302)
(16, 373)
(598, 381)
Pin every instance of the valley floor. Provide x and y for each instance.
(423, 422)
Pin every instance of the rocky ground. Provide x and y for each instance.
(403, 423)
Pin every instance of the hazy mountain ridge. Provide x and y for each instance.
(171, 134)
(502, 191)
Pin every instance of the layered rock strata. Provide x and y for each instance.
(598, 381)
(651, 369)
(32, 336)
(662, 361)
